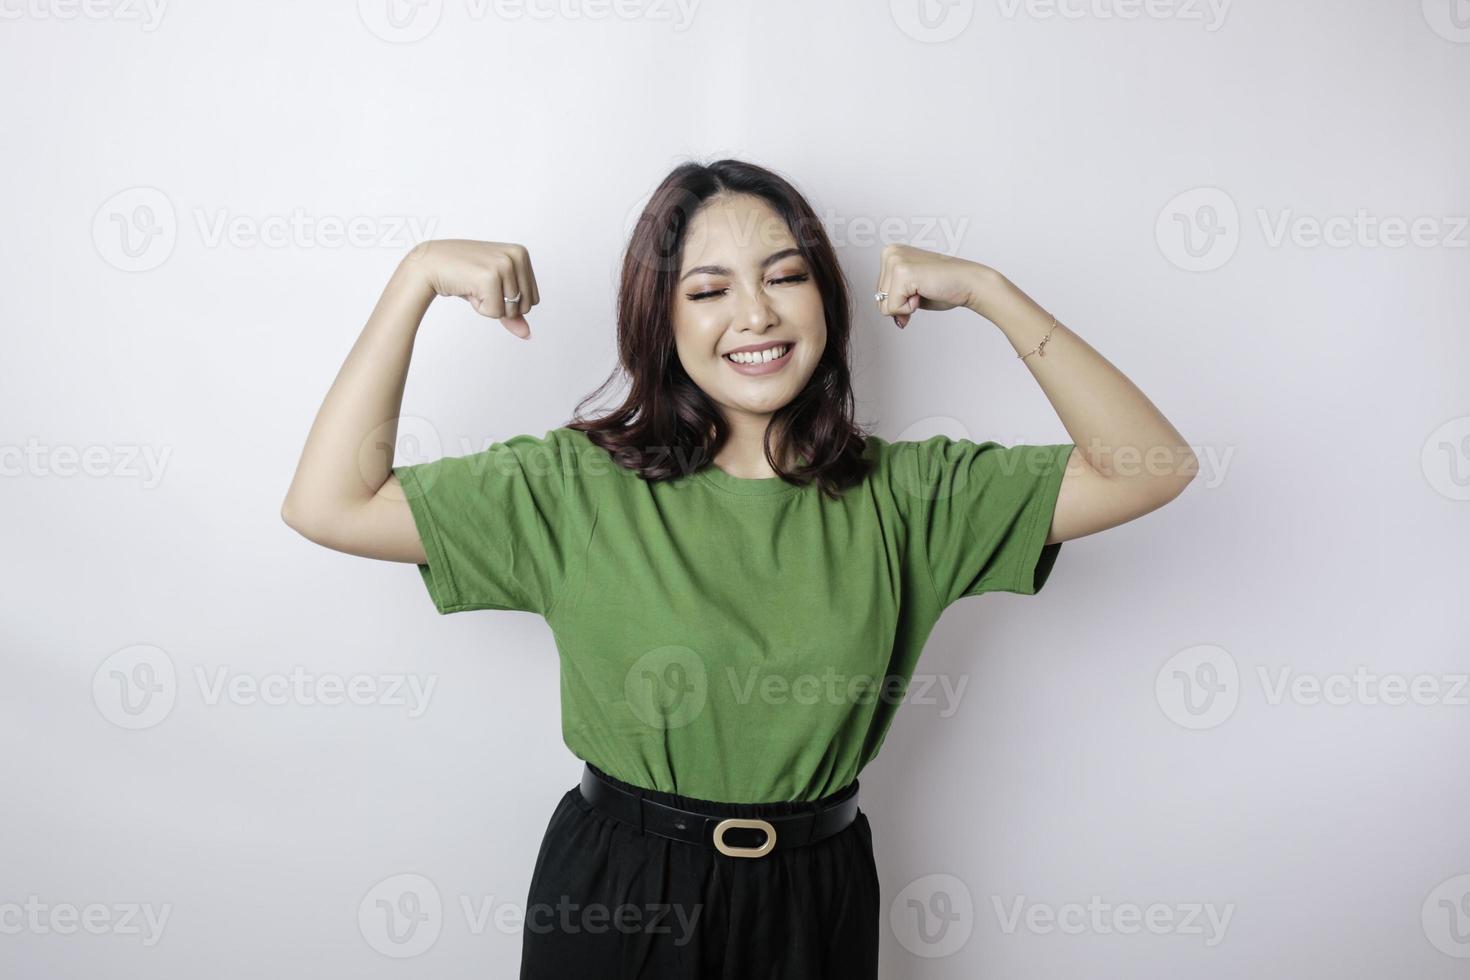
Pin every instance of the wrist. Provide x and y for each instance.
(412, 277)
(987, 286)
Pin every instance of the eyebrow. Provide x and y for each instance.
(720, 270)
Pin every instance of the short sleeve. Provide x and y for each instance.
(497, 526)
(981, 513)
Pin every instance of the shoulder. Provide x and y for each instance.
(898, 459)
(894, 471)
(917, 472)
(575, 448)
(562, 442)
(588, 468)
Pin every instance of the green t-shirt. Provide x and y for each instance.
(731, 639)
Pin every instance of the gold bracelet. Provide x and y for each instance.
(1039, 348)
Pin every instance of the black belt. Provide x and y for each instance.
(772, 833)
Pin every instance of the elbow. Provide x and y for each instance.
(291, 514)
(292, 519)
(1188, 470)
(1182, 477)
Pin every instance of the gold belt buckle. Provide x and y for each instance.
(745, 852)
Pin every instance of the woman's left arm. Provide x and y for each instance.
(1128, 459)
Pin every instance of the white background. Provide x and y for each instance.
(1128, 166)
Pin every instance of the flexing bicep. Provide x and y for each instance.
(1088, 501)
(381, 527)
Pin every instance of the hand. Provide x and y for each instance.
(915, 279)
(484, 273)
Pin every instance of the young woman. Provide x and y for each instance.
(739, 581)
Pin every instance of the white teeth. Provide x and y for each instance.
(760, 356)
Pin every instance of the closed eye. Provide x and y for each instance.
(799, 277)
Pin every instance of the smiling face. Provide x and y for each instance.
(744, 284)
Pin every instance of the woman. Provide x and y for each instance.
(739, 580)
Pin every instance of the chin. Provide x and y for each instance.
(766, 406)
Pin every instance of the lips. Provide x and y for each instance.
(757, 348)
(764, 366)
(750, 352)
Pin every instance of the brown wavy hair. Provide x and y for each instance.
(667, 427)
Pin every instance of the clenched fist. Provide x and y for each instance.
(496, 278)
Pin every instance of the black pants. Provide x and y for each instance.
(609, 902)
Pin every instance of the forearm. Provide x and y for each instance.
(1118, 431)
(349, 451)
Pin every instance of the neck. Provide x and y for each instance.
(743, 454)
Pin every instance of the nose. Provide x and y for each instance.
(756, 311)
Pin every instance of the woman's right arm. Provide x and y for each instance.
(344, 494)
